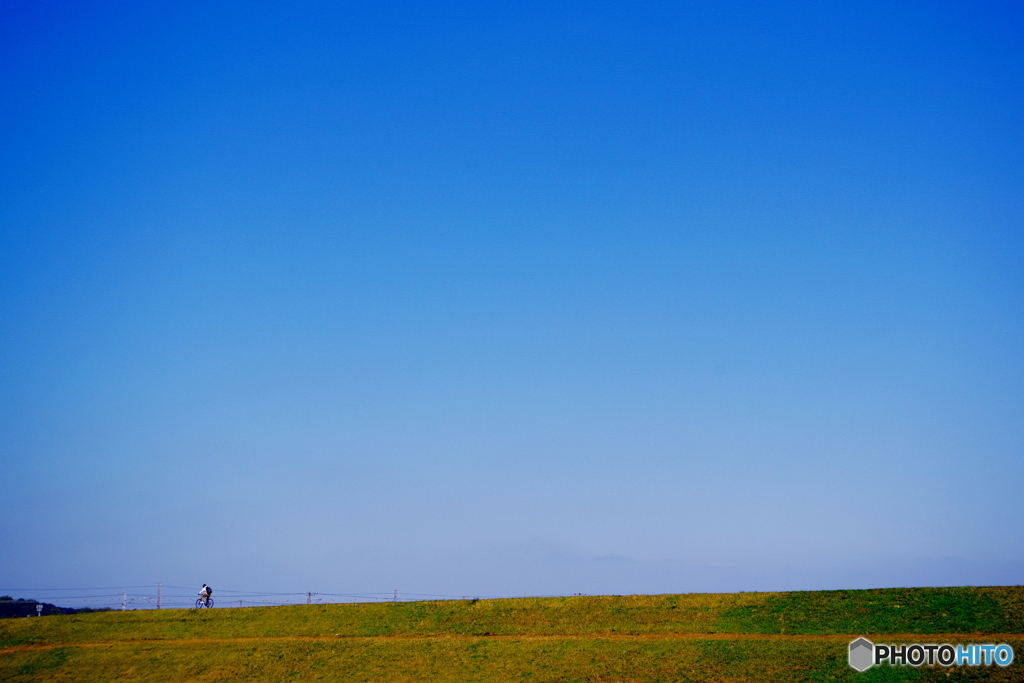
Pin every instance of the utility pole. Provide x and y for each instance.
(159, 594)
(124, 600)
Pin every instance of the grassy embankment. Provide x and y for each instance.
(785, 637)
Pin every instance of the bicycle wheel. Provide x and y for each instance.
(209, 602)
(199, 603)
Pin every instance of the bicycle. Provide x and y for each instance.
(204, 602)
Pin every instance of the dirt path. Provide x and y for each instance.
(888, 637)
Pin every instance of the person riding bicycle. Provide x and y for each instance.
(205, 594)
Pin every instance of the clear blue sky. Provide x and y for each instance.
(512, 298)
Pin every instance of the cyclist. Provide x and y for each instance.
(205, 594)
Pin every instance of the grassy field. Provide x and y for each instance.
(785, 637)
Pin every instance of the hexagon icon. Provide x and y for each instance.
(862, 654)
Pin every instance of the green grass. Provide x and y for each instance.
(787, 637)
(891, 610)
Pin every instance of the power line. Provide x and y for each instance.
(104, 588)
(156, 596)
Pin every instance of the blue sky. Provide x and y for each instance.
(511, 299)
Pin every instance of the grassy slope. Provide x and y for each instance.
(629, 638)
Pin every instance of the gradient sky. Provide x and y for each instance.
(511, 299)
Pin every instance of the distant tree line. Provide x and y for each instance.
(9, 607)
